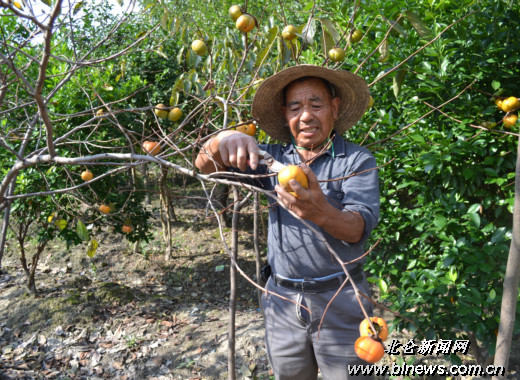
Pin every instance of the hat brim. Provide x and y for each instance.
(268, 101)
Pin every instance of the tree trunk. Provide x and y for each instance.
(510, 293)
(233, 286)
(5, 226)
(167, 212)
(257, 248)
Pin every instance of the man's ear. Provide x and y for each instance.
(335, 107)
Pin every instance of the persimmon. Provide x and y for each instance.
(245, 23)
(161, 111)
(175, 114)
(510, 104)
(235, 12)
(199, 47)
(379, 324)
(152, 147)
(87, 175)
(357, 35)
(336, 54)
(498, 103)
(127, 229)
(248, 129)
(104, 209)
(510, 120)
(369, 349)
(289, 32)
(292, 172)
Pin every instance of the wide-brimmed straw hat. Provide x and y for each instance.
(268, 101)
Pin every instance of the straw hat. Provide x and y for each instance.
(268, 100)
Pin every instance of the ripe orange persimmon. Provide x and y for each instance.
(175, 114)
(292, 172)
(87, 175)
(152, 147)
(510, 120)
(161, 111)
(510, 104)
(248, 129)
(379, 324)
(126, 229)
(245, 23)
(498, 103)
(369, 349)
(104, 209)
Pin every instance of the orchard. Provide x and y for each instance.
(103, 109)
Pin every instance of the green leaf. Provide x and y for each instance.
(419, 26)
(398, 81)
(92, 247)
(384, 51)
(46, 2)
(77, 7)
(164, 21)
(327, 42)
(161, 53)
(61, 224)
(309, 31)
(452, 274)
(495, 84)
(327, 24)
(440, 221)
(271, 38)
(492, 294)
(475, 219)
(81, 230)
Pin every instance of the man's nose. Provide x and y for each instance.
(306, 115)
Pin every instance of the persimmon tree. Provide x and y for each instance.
(447, 161)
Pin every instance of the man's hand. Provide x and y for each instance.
(312, 204)
(238, 150)
(228, 149)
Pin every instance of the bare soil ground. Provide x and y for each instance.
(127, 315)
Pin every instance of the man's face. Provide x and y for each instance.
(310, 112)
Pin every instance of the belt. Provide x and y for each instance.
(312, 285)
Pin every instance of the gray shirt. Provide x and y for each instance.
(294, 251)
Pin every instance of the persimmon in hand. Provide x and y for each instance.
(292, 172)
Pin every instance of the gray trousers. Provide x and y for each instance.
(296, 343)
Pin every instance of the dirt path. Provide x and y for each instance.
(126, 315)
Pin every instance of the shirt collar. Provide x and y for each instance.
(337, 141)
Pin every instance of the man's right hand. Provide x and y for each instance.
(228, 149)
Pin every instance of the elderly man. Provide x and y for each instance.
(308, 108)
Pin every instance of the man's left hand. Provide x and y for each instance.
(310, 203)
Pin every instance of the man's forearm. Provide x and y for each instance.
(344, 225)
(208, 160)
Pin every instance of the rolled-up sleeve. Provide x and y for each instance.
(361, 190)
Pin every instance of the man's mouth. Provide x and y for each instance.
(309, 130)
